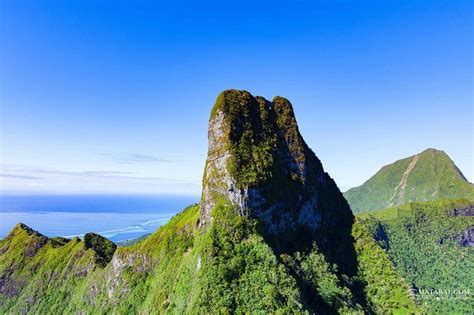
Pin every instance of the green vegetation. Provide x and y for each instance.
(103, 248)
(424, 241)
(427, 176)
(241, 272)
(385, 290)
(253, 126)
(296, 250)
(230, 268)
(267, 154)
(67, 278)
(251, 142)
(41, 278)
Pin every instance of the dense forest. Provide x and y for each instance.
(430, 244)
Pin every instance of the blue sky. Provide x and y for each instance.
(115, 96)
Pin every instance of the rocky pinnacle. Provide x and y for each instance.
(259, 163)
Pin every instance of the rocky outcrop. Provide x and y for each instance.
(465, 238)
(116, 285)
(35, 244)
(463, 212)
(259, 163)
(9, 286)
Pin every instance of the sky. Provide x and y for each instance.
(115, 96)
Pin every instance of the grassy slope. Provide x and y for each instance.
(28, 280)
(411, 234)
(176, 269)
(434, 176)
(67, 279)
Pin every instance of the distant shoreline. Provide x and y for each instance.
(115, 217)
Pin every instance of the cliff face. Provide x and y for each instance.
(258, 162)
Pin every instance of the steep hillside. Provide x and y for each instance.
(39, 271)
(426, 176)
(272, 233)
(432, 246)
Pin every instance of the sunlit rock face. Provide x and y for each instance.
(259, 163)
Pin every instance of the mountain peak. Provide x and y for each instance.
(270, 217)
(425, 176)
(21, 228)
(259, 163)
(433, 150)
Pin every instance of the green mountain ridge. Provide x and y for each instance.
(432, 246)
(426, 176)
(272, 233)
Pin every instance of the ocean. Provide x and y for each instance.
(117, 217)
